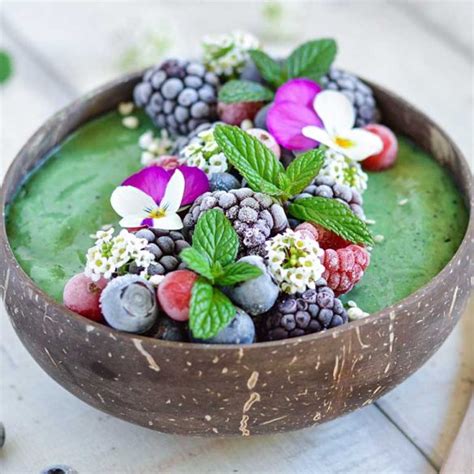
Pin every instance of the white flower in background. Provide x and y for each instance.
(227, 54)
(113, 255)
(139, 209)
(204, 153)
(338, 116)
(343, 170)
(153, 146)
(294, 260)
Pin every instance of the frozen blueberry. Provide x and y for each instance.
(59, 469)
(223, 182)
(168, 330)
(241, 330)
(257, 295)
(2, 435)
(128, 303)
(260, 120)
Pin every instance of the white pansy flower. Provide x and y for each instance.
(338, 116)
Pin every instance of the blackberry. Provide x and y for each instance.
(255, 216)
(165, 245)
(360, 94)
(178, 95)
(328, 188)
(303, 313)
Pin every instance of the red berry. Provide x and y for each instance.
(237, 112)
(174, 294)
(388, 155)
(344, 267)
(326, 238)
(81, 295)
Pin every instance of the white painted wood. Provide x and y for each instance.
(46, 425)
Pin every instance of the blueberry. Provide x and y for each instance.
(250, 72)
(260, 120)
(241, 330)
(168, 330)
(59, 469)
(257, 295)
(223, 182)
(2, 435)
(128, 303)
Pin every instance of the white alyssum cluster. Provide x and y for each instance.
(294, 261)
(226, 54)
(112, 254)
(204, 152)
(153, 146)
(343, 170)
(354, 312)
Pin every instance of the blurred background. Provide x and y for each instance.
(53, 52)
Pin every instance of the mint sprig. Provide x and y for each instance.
(332, 215)
(270, 69)
(212, 255)
(265, 173)
(244, 91)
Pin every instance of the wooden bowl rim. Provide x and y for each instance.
(353, 325)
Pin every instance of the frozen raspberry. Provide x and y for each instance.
(174, 294)
(388, 155)
(344, 267)
(82, 295)
(237, 112)
(267, 139)
(326, 238)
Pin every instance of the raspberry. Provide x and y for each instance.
(174, 294)
(344, 267)
(237, 112)
(325, 238)
(388, 155)
(81, 295)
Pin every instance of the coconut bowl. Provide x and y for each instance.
(218, 390)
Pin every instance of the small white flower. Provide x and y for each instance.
(338, 116)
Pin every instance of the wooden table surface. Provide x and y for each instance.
(422, 50)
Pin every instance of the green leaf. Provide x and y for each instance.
(210, 310)
(244, 91)
(332, 215)
(312, 59)
(6, 66)
(301, 171)
(252, 159)
(268, 67)
(197, 262)
(215, 237)
(238, 272)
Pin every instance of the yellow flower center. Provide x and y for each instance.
(157, 213)
(344, 142)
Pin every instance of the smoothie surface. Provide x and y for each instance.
(50, 221)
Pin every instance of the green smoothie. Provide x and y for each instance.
(50, 221)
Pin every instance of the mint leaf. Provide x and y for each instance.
(332, 215)
(238, 272)
(301, 171)
(197, 262)
(312, 59)
(210, 310)
(244, 91)
(268, 67)
(252, 159)
(215, 237)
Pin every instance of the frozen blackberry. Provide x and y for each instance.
(303, 313)
(360, 94)
(178, 95)
(255, 216)
(328, 188)
(165, 245)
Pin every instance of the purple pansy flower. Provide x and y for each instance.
(293, 110)
(153, 196)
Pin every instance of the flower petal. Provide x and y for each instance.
(299, 91)
(336, 112)
(365, 144)
(285, 121)
(128, 200)
(133, 221)
(168, 222)
(151, 180)
(196, 181)
(174, 192)
(318, 134)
